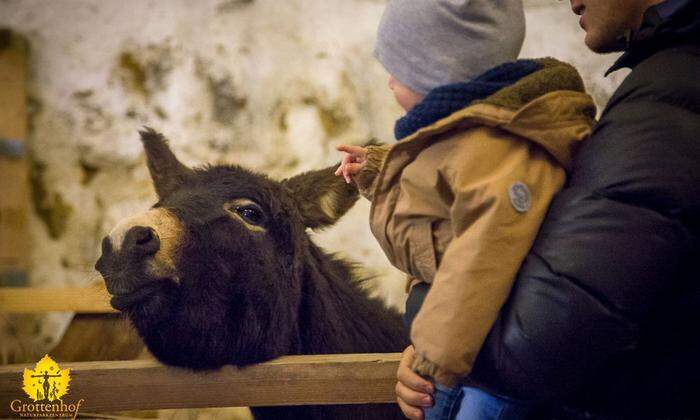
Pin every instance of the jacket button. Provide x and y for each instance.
(520, 197)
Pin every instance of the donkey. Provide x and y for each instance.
(221, 271)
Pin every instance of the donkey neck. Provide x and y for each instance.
(337, 316)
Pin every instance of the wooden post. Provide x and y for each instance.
(289, 380)
(14, 168)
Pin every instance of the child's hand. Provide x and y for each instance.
(354, 160)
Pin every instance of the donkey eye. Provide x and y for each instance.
(248, 210)
(251, 214)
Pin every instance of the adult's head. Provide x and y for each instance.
(607, 22)
(424, 44)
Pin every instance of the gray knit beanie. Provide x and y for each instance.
(428, 43)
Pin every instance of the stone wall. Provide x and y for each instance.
(272, 85)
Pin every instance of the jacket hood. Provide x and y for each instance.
(548, 107)
(664, 25)
(447, 99)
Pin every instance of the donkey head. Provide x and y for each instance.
(211, 274)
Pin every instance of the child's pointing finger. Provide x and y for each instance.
(355, 151)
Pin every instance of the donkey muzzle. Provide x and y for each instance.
(138, 253)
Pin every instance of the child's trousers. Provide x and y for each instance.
(469, 403)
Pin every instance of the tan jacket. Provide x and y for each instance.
(447, 209)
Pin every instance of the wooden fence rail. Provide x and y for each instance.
(148, 385)
(289, 380)
(92, 299)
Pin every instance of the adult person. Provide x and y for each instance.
(602, 320)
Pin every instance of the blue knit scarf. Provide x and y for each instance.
(448, 99)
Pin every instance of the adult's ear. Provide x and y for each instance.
(167, 173)
(321, 197)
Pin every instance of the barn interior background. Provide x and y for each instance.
(271, 85)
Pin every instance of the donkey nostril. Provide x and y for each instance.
(106, 245)
(144, 236)
(142, 240)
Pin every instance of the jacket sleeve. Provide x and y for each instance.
(367, 177)
(612, 253)
(490, 240)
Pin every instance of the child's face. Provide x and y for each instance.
(406, 97)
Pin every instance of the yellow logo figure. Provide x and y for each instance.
(47, 382)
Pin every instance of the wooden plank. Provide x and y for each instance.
(93, 299)
(14, 169)
(289, 380)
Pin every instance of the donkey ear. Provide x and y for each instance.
(321, 197)
(167, 172)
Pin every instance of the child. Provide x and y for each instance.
(458, 201)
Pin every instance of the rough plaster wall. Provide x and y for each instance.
(272, 85)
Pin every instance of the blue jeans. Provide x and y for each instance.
(469, 403)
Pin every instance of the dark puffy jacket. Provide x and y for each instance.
(605, 313)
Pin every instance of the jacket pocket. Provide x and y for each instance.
(423, 262)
